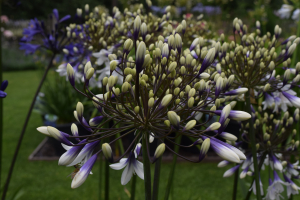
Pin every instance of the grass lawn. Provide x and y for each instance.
(47, 180)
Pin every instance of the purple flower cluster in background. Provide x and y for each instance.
(52, 38)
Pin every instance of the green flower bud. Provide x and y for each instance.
(192, 92)
(159, 150)
(176, 91)
(137, 109)
(89, 73)
(167, 123)
(205, 146)
(166, 100)
(113, 65)
(151, 102)
(172, 66)
(191, 102)
(214, 126)
(128, 78)
(111, 81)
(190, 125)
(174, 118)
(87, 66)
(105, 81)
(107, 151)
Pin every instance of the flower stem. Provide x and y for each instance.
(24, 128)
(171, 174)
(156, 176)
(106, 185)
(253, 146)
(235, 184)
(100, 172)
(147, 169)
(133, 186)
(1, 104)
(259, 167)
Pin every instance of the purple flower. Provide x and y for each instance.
(293, 99)
(84, 172)
(2, 88)
(131, 164)
(49, 37)
(69, 156)
(231, 171)
(291, 187)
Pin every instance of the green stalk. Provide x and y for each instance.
(106, 185)
(171, 174)
(133, 186)
(147, 169)
(156, 176)
(259, 167)
(253, 147)
(24, 128)
(296, 53)
(1, 103)
(235, 184)
(100, 173)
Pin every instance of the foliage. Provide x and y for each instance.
(59, 99)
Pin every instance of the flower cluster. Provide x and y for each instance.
(255, 64)
(276, 141)
(97, 35)
(255, 59)
(164, 90)
(51, 35)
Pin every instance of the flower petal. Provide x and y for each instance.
(127, 174)
(83, 173)
(117, 166)
(139, 169)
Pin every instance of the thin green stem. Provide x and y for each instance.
(147, 169)
(120, 143)
(133, 186)
(106, 185)
(100, 176)
(24, 128)
(1, 104)
(156, 176)
(253, 147)
(235, 184)
(172, 171)
(259, 167)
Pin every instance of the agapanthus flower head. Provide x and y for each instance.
(53, 38)
(271, 133)
(158, 99)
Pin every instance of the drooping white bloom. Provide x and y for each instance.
(131, 164)
(292, 169)
(291, 187)
(285, 11)
(274, 190)
(102, 56)
(296, 14)
(254, 187)
(84, 172)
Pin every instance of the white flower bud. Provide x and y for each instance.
(89, 73)
(107, 151)
(190, 125)
(160, 150)
(166, 100)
